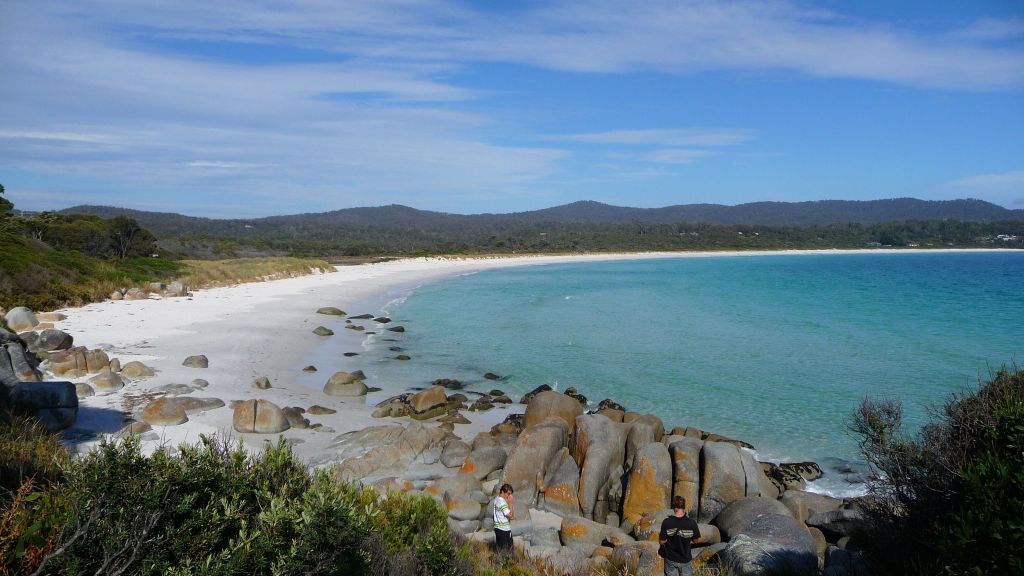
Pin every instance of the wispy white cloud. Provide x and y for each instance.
(1012, 180)
(992, 29)
(1006, 188)
(610, 36)
(119, 92)
(677, 155)
(680, 146)
(221, 165)
(662, 137)
(57, 136)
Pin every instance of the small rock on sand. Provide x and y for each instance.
(136, 369)
(259, 417)
(198, 361)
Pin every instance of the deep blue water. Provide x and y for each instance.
(774, 350)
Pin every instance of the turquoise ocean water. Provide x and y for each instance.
(774, 350)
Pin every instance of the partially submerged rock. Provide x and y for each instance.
(430, 403)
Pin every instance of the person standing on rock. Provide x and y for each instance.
(503, 516)
(677, 532)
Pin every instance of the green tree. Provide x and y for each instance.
(5, 205)
(127, 238)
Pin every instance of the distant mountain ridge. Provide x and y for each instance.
(815, 213)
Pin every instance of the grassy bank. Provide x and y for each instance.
(36, 275)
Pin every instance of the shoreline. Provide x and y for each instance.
(265, 329)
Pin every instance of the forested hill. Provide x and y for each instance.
(588, 226)
(820, 213)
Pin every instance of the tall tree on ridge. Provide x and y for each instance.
(5, 205)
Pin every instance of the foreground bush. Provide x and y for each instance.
(214, 509)
(952, 499)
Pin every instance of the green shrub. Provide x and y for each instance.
(214, 509)
(951, 500)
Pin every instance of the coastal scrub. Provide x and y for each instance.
(950, 500)
(212, 508)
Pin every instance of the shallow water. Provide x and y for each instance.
(774, 350)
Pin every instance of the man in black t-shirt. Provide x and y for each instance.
(677, 532)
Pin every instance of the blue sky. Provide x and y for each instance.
(231, 108)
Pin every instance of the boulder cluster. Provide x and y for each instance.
(610, 476)
(28, 342)
(153, 289)
(591, 486)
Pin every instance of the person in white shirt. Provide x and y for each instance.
(503, 516)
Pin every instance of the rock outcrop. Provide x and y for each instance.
(552, 404)
(559, 491)
(649, 487)
(599, 448)
(380, 451)
(685, 453)
(534, 450)
(729, 474)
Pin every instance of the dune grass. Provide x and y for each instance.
(210, 273)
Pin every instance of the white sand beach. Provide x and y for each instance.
(265, 329)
